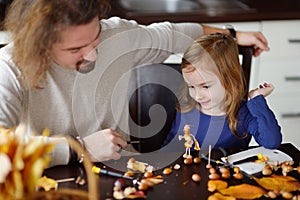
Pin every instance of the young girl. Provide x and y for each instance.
(214, 101)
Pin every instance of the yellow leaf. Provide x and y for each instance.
(213, 185)
(243, 191)
(18, 185)
(46, 183)
(278, 183)
(218, 196)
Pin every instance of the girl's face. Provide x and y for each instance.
(206, 89)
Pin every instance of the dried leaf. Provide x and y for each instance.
(213, 185)
(278, 183)
(284, 178)
(28, 160)
(6, 167)
(18, 185)
(155, 180)
(47, 183)
(243, 191)
(218, 196)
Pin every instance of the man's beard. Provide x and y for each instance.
(88, 64)
(85, 66)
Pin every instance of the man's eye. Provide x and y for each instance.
(74, 50)
(206, 86)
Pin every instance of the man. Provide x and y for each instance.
(68, 71)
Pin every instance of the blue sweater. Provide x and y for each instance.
(254, 118)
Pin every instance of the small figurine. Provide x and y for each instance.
(189, 141)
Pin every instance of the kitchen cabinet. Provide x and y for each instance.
(281, 66)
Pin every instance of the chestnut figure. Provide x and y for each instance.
(167, 171)
(188, 161)
(196, 177)
(197, 160)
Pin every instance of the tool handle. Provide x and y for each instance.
(249, 159)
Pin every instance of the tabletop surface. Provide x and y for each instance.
(177, 185)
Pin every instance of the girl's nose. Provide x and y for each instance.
(91, 55)
(199, 95)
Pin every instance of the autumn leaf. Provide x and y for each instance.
(279, 183)
(218, 196)
(243, 191)
(213, 185)
(28, 160)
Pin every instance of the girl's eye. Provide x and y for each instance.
(190, 86)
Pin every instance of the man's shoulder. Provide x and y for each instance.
(117, 22)
(6, 56)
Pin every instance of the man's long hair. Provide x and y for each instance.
(34, 26)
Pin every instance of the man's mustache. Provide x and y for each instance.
(85, 66)
(88, 64)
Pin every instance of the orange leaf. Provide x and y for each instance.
(279, 183)
(243, 191)
(218, 196)
(213, 185)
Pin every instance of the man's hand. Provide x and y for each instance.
(264, 89)
(104, 145)
(244, 38)
(256, 39)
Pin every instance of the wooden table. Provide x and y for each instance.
(177, 185)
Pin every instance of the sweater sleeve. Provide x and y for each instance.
(149, 44)
(61, 152)
(11, 91)
(263, 124)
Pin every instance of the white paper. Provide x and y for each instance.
(255, 167)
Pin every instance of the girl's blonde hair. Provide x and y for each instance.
(34, 26)
(221, 49)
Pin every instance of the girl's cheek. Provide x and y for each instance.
(192, 93)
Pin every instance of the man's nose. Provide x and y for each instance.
(91, 55)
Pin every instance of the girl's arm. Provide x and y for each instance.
(262, 123)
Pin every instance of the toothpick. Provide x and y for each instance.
(65, 180)
(209, 154)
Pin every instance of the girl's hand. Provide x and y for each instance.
(264, 89)
(104, 145)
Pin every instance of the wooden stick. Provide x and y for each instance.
(65, 180)
(209, 154)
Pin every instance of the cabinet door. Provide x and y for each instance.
(281, 67)
(283, 37)
(283, 72)
(287, 111)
